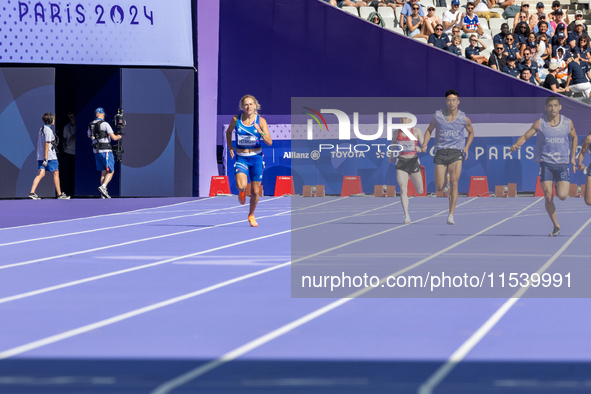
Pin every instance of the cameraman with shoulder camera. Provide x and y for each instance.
(101, 134)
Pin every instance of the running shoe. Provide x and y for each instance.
(407, 219)
(63, 196)
(242, 197)
(450, 219)
(34, 196)
(252, 221)
(103, 190)
(555, 232)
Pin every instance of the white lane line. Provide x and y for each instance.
(441, 373)
(169, 260)
(232, 355)
(131, 242)
(93, 326)
(101, 216)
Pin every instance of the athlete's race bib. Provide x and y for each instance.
(247, 140)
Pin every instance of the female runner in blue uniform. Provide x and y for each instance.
(554, 152)
(250, 130)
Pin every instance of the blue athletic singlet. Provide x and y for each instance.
(449, 135)
(553, 143)
(247, 137)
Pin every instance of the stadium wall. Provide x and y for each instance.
(279, 49)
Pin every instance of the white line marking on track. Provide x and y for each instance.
(457, 356)
(121, 226)
(100, 216)
(90, 327)
(232, 355)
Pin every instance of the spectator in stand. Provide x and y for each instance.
(375, 18)
(473, 50)
(526, 75)
(522, 17)
(510, 48)
(558, 19)
(535, 18)
(521, 32)
(543, 53)
(531, 44)
(482, 9)
(511, 68)
(583, 49)
(531, 65)
(578, 17)
(431, 20)
(553, 83)
(438, 39)
(555, 7)
(415, 22)
(407, 10)
(577, 81)
(455, 45)
(452, 17)
(542, 28)
(562, 62)
(573, 37)
(498, 59)
(332, 2)
(560, 42)
(440, 3)
(470, 24)
(500, 38)
(350, 3)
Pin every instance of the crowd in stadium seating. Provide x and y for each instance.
(548, 50)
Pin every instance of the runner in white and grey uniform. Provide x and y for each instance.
(451, 146)
(584, 148)
(553, 152)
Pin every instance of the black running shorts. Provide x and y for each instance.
(410, 166)
(448, 156)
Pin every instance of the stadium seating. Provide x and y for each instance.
(351, 10)
(365, 11)
(388, 16)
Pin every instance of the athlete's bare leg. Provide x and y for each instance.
(562, 189)
(402, 178)
(440, 171)
(417, 180)
(547, 187)
(255, 187)
(455, 170)
(241, 182)
(588, 191)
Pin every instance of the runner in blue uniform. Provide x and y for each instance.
(451, 147)
(553, 152)
(250, 130)
(584, 148)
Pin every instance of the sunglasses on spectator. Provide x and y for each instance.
(508, 39)
(415, 8)
(439, 29)
(470, 8)
(499, 48)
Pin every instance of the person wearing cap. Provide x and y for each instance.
(560, 42)
(473, 50)
(438, 39)
(511, 68)
(578, 17)
(102, 134)
(552, 83)
(47, 142)
(452, 17)
(500, 38)
(573, 36)
(556, 6)
(482, 9)
(535, 18)
(558, 19)
(431, 20)
(577, 81)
